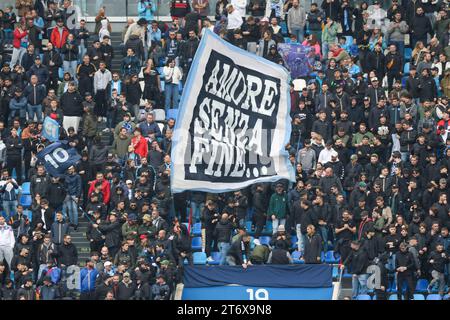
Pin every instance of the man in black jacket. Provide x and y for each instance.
(239, 253)
(112, 231)
(53, 61)
(420, 27)
(357, 263)
(14, 155)
(404, 263)
(67, 253)
(313, 245)
(223, 231)
(394, 65)
(260, 204)
(71, 102)
(210, 216)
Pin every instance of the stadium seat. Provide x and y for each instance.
(29, 214)
(330, 257)
(422, 286)
(172, 113)
(393, 297)
(159, 114)
(419, 296)
(26, 188)
(294, 241)
(197, 229)
(408, 54)
(335, 272)
(348, 40)
(363, 297)
(287, 40)
(268, 227)
(434, 297)
(248, 226)
(299, 84)
(197, 243)
(265, 240)
(25, 200)
(296, 255)
(199, 258)
(406, 68)
(404, 79)
(216, 258)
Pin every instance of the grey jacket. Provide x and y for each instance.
(397, 33)
(296, 18)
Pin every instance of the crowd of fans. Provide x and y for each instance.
(369, 146)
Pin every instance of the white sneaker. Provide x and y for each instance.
(210, 259)
(106, 130)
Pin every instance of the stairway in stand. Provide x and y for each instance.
(80, 241)
(116, 40)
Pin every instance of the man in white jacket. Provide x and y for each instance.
(7, 241)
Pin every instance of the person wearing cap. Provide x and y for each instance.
(40, 70)
(48, 291)
(260, 253)
(278, 207)
(375, 92)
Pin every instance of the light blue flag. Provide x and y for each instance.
(51, 129)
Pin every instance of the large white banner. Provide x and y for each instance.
(234, 122)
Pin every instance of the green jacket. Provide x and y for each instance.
(278, 205)
(128, 230)
(357, 137)
(120, 146)
(89, 125)
(260, 254)
(329, 34)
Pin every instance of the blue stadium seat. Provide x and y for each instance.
(434, 297)
(199, 258)
(29, 214)
(172, 113)
(26, 188)
(422, 286)
(287, 40)
(348, 40)
(419, 296)
(393, 297)
(264, 240)
(363, 297)
(197, 229)
(294, 241)
(197, 243)
(25, 200)
(248, 226)
(408, 54)
(404, 81)
(268, 227)
(335, 272)
(330, 257)
(216, 258)
(406, 68)
(296, 255)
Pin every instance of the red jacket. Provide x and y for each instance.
(18, 37)
(106, 190)
(140, 147)
(55, 37)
